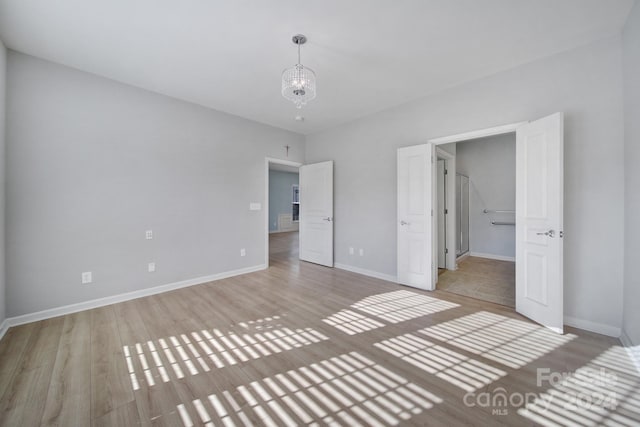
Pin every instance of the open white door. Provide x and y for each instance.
(316, 213)
(415, 225)
(539, 225)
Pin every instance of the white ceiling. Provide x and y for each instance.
(369, 55)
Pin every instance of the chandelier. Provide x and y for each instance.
(299, 82)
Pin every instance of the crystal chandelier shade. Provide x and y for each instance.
(299, 82)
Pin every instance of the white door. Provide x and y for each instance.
(415, 246)
(316, 213)
(442, 225)
(539, 193)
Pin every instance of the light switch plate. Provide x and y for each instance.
(148, 234)
(87, 277)
(152, 267)
(255, 206)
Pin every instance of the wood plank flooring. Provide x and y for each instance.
(300, 344)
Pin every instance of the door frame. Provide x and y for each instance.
(267, 161)
(433, 144)
(450, 205)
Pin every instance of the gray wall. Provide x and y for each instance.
(585, 83)
(490, 164)
(631, 46)
(3, 83)
(92, 164)
(280, 195)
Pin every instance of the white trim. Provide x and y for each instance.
(293, 230)
(364, 272)
(4, 327)
(463, 256)
(482, 133)
(100, 302)
(492, 256)
(588, 325)
(444, 155)
(268, 160)
(632, 350)
(450, 202)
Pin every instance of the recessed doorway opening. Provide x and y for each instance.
(483, 217)
(282, 210)
(538, 222)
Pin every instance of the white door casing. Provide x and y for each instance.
(316, 213)
(441, 217)
(415, 221)
(539, 221)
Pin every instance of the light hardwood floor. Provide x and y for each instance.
(300, 344)
(485, 279)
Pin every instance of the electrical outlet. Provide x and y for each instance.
(243, 252)
(361, 252)
(149, 234)
(87, 278)
(152, 267)
(350, 251)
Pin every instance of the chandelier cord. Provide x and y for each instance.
(298, 53)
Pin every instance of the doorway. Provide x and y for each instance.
(538, 215)
(484, 218)
(308, 211)
(282, 211)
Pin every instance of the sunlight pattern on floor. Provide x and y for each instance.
(177, 356)
(461, 371)
(590, 395)
(352, 323)
(398, 306)
(259, 323)
(348, 390)
(512, 342)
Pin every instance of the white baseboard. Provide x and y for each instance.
(100, 302)
(492, 256)
(283, 231)
(588, 325)
(632, 349)
(365, 272)
(463, 256)
(4, 327)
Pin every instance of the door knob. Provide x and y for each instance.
(549, 233)
(327, 219)
(404, 223)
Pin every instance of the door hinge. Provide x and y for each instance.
(446, 211)
(431, 212)
(446, 251)
(561, 234)
(446, 171)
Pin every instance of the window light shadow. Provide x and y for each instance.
(352, 323)
(511, 342)
(176, 356)
(345, 390)
(461, 371)
(604, 392)
(398, 306)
